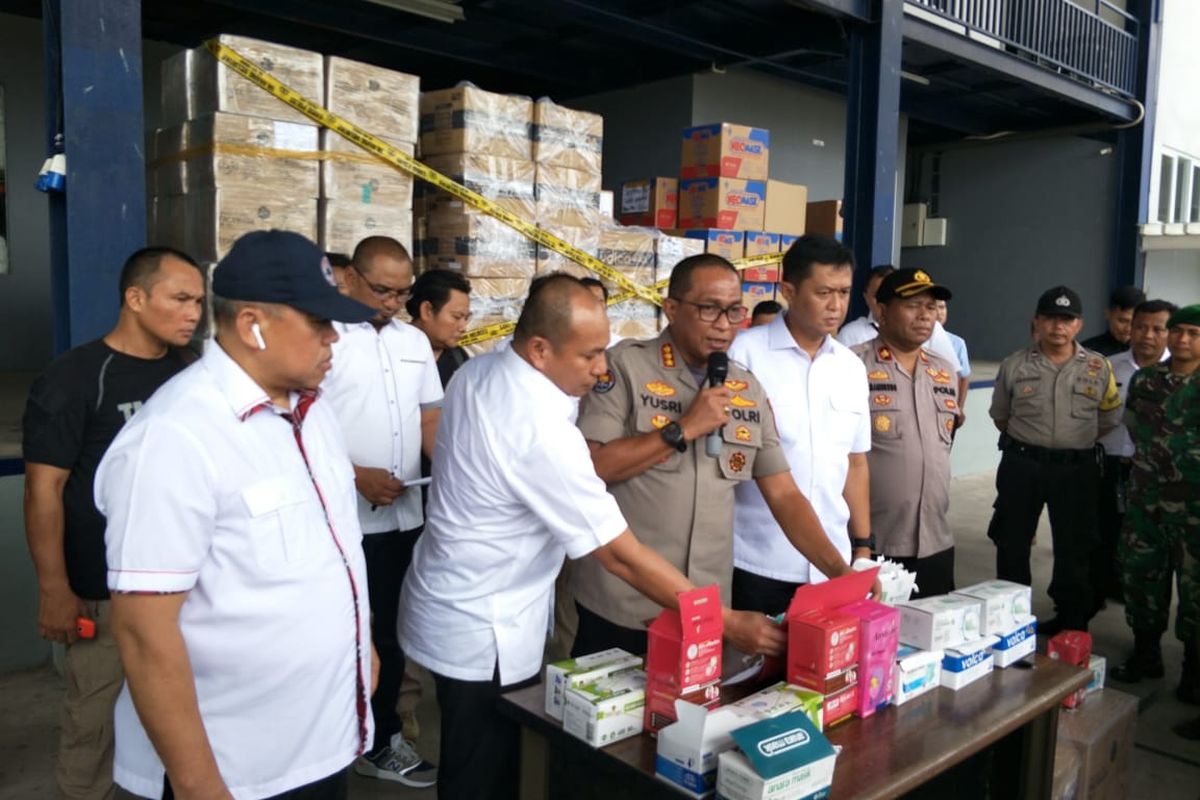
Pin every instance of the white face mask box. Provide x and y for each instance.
(1016, 643)
(606, 710)
(935, 623)
(561, 675)
(1005, 604)
(689, 747)
(784, 758)
(917, 672)
(966, 663)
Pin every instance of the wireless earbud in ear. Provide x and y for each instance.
(257, 332)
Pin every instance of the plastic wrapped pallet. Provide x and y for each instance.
(586, 239)
(566, 137)
(217, 217)
(350, 173)
(567, 197)
(507, 181)
(633, 319)
(478, 246)
(382, 101)
(232, 151)
(342, 224)
(466, 119)
(630, 251)
(670, 250)
(195, 83)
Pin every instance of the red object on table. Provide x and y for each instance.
(1075, 648)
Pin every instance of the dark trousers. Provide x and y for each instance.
(595, 633)
(758, 593)
(334, 787)
(1023, 486)
(935, 573)
(388, 556)
(1105, 570)
(481, 748)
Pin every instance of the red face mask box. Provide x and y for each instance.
(662, 692)
(686, 645)
(822, 650)
(1072, 647)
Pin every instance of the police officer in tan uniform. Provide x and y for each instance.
(1051, 403)
(914, 403)
(646, 422)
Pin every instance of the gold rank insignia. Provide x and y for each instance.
(742, 402)
(950, 424)
(931, 372)
(660, 421)
(950, 404)
(661, 389)
(1090, 391)
(1093, 373)
(942, 377)
(920, 277)
(924, 357)
(883, 423)
(882, 400)
(878, 375)
(737, 461)
(884, 354)
(668, 355)
(742, 433)
(736, 386)
(1027, 389)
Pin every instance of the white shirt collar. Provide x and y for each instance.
(780, 338)
(537, 382)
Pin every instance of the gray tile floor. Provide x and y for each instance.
(1165, 767)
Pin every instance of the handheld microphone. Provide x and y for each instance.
(718, 369)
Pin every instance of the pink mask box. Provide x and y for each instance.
(878, 640)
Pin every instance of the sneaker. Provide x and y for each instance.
(398, 762)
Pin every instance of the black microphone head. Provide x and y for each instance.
(718, 367)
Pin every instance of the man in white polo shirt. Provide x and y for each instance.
(239, 599)
(818, 391)
(514, 490)
(385, 391)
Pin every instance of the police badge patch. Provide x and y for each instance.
(604, 383)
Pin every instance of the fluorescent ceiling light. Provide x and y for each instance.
(911, 76)
(440, 10)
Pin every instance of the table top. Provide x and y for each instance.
(892, 752)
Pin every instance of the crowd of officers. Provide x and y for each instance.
(251, 533)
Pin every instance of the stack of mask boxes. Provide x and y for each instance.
(361, 195)
(482, 140)
(232, 158)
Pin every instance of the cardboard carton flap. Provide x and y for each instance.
(833, 593)
(779, 745)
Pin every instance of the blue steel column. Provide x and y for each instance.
(1135, 154)
(872, 136)
(102, 218)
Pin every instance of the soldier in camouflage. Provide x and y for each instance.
(1161, 532)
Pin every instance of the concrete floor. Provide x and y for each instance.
(1165, 767)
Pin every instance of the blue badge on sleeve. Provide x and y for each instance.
(604, 383)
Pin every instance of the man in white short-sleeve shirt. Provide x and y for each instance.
(385, 391)
(514, 490)
(866, 328)
(818, 391)
(239, 601)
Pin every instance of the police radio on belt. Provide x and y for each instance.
(718, 369)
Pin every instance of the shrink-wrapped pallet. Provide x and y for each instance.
(566, 137)
(383, 102)
(477, 246)
(506, 181)
(217, 217)
(342, 224)
(567, 197)
(350, 173)
(466, 119)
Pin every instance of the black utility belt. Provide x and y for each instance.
(1047, 455)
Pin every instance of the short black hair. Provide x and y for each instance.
(1155, 307)
(766, 307)
(434, 286)
(141, 268)
(1125, 298)
(681, 276)
(590, 281)
(881, 271)
(812, 249)
(373, 246)
(548, 308)
(338, 259)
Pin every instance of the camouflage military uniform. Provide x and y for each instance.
(1161, 532)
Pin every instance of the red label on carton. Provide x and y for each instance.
(840, 706)
(822, 646)
(686, 644)
(661, 694)
(1072, 647)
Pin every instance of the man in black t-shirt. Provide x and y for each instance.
(75, 409)
(1119, 317)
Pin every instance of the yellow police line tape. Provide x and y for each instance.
(403, 161)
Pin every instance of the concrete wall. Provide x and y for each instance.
(1023, 216)
(1177, 121)
(25, 288)
(1174, 275)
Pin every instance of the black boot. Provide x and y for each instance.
(1145, 662)
(1189, 680)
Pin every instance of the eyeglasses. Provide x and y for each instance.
(708, 312)
(384, 292)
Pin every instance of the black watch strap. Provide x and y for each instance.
(672, 434)
(868, 543)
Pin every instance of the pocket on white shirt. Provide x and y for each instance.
(281, 522)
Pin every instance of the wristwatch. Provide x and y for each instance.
(672, 434)
(868, 543)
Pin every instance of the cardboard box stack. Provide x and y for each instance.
(631, 252)
(361, 195)
(232, 158)
(484, 141)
